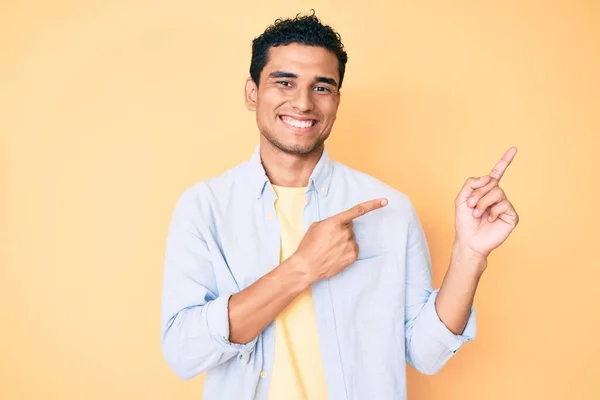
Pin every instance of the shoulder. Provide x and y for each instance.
(203, 194)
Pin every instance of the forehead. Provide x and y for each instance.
(304, 61)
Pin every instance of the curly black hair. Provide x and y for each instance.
(306, 30)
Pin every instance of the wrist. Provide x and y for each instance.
(467, 260)
(301, 270)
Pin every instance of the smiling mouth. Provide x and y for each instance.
(298, 123)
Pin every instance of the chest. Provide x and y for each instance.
(247, 241)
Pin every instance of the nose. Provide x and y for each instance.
(302, 100)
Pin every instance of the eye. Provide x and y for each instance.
(322, 89)
(284, 83)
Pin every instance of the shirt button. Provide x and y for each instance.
(263, 374)
(243, 358)
(322, 190)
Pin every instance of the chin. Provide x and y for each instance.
(295, 147)
(298, 149)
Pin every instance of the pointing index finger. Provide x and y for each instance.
(503, 164)
(358, 210)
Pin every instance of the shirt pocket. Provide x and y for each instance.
(371, 241)
(371, 292)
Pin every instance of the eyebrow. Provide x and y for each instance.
(324, 79)
(321, 79)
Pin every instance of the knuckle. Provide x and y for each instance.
(347, 259)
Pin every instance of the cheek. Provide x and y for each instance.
(329, 109)
(269, 104)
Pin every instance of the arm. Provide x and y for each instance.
(254, 308)
(195, 322)
(429, 342)
(484, 220)
(455, 298)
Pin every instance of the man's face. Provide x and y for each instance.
(297, 98)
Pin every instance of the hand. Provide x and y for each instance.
(484, 216)
(329, 245)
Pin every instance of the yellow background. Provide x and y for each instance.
(109, 109)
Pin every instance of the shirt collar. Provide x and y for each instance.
(320, 178)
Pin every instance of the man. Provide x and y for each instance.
(292, 276)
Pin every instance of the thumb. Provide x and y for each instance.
(469, 187)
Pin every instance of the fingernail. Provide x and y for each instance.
(384, 202)
(490, 219)
(476, 212)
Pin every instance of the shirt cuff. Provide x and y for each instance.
(217, 318)
(441, 333)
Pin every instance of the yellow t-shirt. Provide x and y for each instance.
(297, 369)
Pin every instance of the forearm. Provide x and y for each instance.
(455, 298)
(254, 308)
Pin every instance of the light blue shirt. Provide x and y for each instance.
(372, 318)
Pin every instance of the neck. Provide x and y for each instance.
(290, 170)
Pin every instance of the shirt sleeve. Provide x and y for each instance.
(194, 315)
(429, 343)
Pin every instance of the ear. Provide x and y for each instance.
(251, 92)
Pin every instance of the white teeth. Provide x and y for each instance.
(296, 123)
